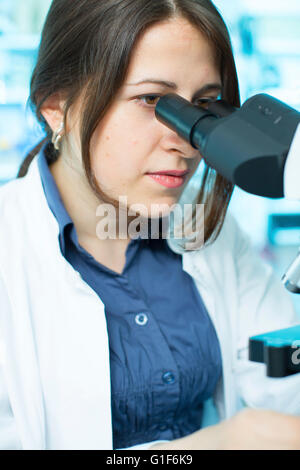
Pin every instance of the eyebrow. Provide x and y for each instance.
(173, 86)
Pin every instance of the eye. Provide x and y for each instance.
(150, 100)
(204, 102)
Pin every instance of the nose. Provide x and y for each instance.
(172, 142)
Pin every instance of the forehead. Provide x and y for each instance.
(173, 49)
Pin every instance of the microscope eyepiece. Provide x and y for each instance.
(180, 115)
(245, 145)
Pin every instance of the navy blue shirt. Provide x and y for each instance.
(165, 358)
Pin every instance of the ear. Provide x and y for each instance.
(53, 110)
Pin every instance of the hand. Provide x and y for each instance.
(252, 429)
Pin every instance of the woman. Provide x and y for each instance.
(131, 342)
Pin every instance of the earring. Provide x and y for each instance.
(57, 136)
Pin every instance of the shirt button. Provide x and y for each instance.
(168, 378)
(141, 319)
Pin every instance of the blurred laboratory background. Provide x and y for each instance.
(266, 41)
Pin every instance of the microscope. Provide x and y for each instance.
(257, 148)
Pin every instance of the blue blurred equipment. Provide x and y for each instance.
(279, 350)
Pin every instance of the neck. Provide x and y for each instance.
(79, 203)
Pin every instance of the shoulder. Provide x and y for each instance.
(231, 231)
(19, 217)
(10, 200)
(231, 234)
(230, 241)
(17, 193)
(217, 264)
(8, 189)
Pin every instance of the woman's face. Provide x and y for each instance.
(130, 142)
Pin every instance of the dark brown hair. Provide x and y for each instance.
(86, 45)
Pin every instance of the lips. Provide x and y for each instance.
(170, 173)
(169, 181)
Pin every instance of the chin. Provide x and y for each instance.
(153, 208)
(163, 210)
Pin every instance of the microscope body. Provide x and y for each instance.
(280, 350)
(247, 145)
(256, 147)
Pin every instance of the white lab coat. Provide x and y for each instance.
(54, 350)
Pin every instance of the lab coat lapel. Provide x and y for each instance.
(76, 373)
(57, 364)
(197, 264)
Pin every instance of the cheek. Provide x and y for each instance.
(118, 161)
(121, 148)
